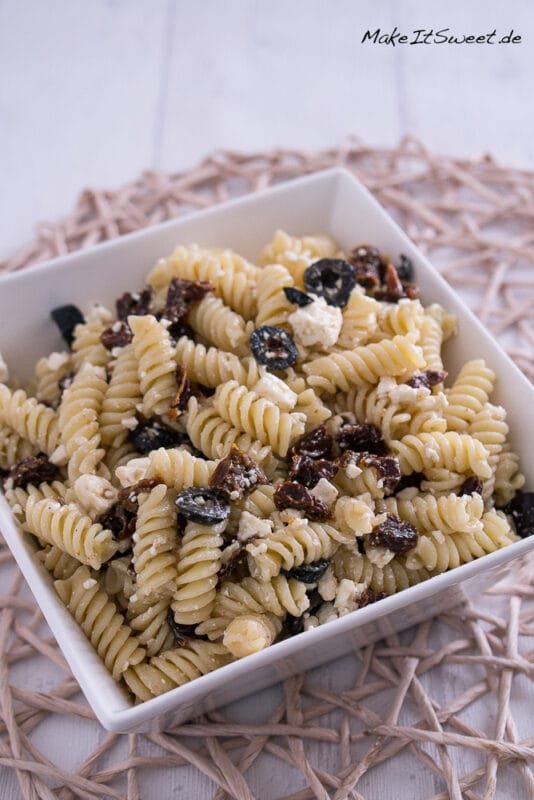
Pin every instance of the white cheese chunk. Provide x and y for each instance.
(325, 491)
(316, 323)
(379, 555)
(94, 494)
(277, 391)
(251, 527)
(134, 471)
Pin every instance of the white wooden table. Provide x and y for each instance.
(93, 93)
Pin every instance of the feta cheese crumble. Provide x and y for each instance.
(316, 323)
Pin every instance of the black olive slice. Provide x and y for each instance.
(331, 278)
(66, 318)
(273, 347)
(202, 505)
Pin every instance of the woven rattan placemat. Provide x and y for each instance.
(407, 695)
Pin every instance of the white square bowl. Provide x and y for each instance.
(333, 202)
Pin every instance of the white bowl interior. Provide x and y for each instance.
(332, 202)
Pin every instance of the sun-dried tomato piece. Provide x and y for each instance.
(179, 329)
(179, 401)
(236, 475)
(181, 295)
(387, 469)
(117, 335)
(369, 266)
(296, 496)
(34, 470)
(369, 596)
(309, 471)
(408, 481)
(119, 521)
(128, 496)
(361, 438)
(393, 291)
(136, 304)
(395, 534)
(427, 379)
(235, 568)
(315, 444)
(472, 485)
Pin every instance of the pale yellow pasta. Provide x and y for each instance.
(101, 622)
(354, 515)
(155, 364)
(439, 552)
(210, 366)
(119, 457)
(296, 254)
(214, 436)
(392, 578)
(508, 478)
(431, 340)
(448, 513)
(399, 319)
(78, 419)
(292, 544)
(468, 394)
(455, 451)
(48, 372)
(121, 401)
(489, 427)
(258, 417)
(279, 596)
(199, 561)
(359, 319)
(363, 365)
(441, 481)
(154, 544)
(250, 633)
(219, 325)
(70, 530)
(232, 276)
(13, 448)
(58, 563)
(179, 469)
(32, 420)
(273, 306)
(148, 620)
(87, 345)
(173, 668)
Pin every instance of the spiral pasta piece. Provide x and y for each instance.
(250, 633)
(360, 319)
(439, 552)
(101, 622)
(73, 532)
(211, 434)
(154, 544)
(468, 394)
(155, 363)
(148, 620)
(173, 668)
(367, 364)
(489, 427)
(508, 478)
(296, 254)
(298, 542)
(13, 448)
(232, 276)
(87, 345)
(32, 420)
(392, 578)
(221, 326)
(457, 452)
(78, 419)
(448, 513)
(431, 340)
(58, 563)
(210, 366)
(354, 515)
(179, 469)
(273, 306)
(199, 561)
(48, 372)
(258, 417)
(122, 397)
(399, 319)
